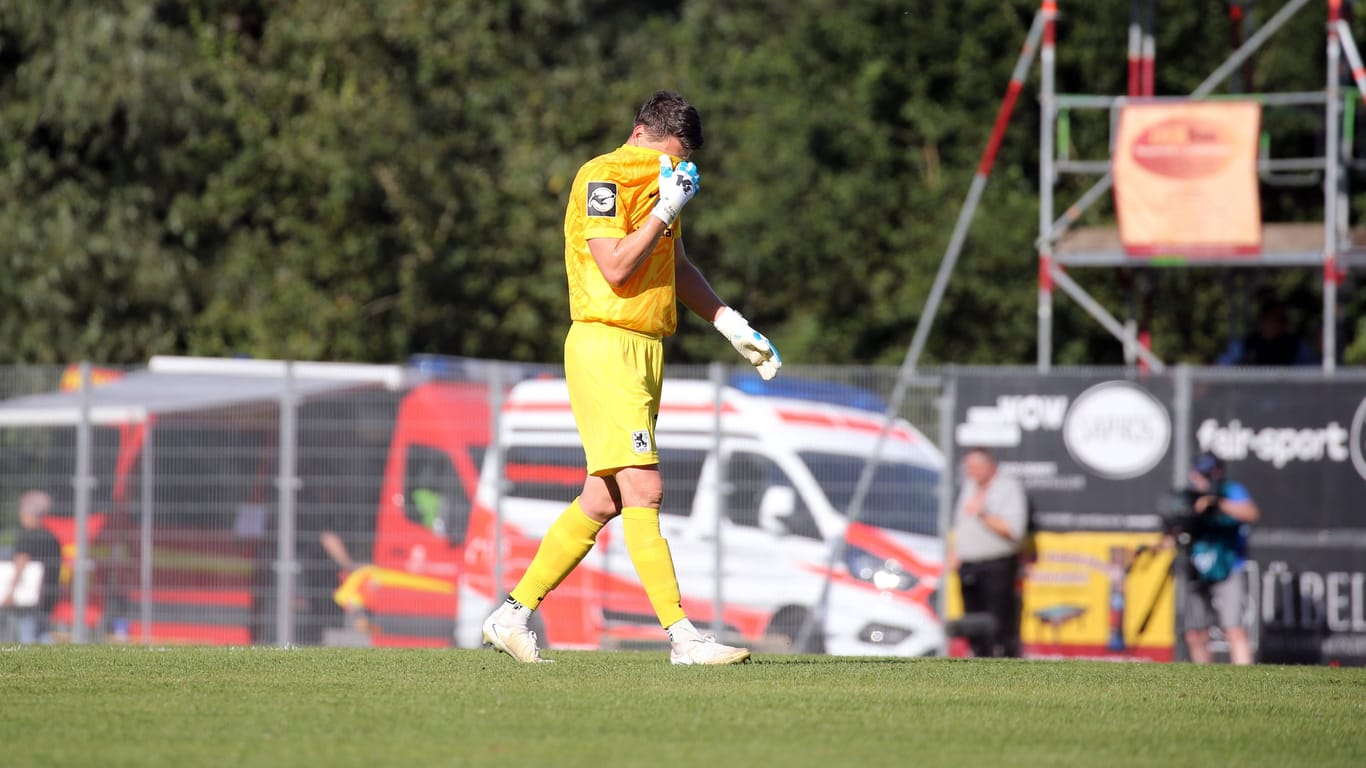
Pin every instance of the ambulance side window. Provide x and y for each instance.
(544, 472)
(751, 476)
(433, 496)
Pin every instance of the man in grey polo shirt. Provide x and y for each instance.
(990, 521)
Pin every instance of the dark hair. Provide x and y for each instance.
(666, 113)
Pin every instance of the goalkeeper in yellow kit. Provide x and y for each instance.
(627, 270)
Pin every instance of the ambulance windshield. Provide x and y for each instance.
(903, 497)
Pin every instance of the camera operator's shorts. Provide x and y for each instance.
(1220, 603)
(615, 377)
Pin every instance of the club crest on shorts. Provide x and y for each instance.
(640, 441)
(602, 199)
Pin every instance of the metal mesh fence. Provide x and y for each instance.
(271, 506)
(257, 502)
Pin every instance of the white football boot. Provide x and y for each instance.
(506, 630)
(705, 650)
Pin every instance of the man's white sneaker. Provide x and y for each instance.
(706, 651)
(516, 641)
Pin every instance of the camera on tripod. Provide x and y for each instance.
(1181, 513)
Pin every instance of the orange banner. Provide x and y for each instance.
(1186, 179)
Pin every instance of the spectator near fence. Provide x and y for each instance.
(991, 519)
(35, 544)
(334, 534)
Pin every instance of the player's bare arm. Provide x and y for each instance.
(619, 258)
(692, 286)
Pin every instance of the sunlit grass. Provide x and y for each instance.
(135, 706)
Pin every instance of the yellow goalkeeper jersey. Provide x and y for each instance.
(612, 195)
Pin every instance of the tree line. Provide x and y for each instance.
(368, 179)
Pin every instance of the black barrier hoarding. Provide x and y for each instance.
(1310, 603)
(1093, 452)
(1297, 446)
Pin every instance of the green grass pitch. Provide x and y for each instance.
(133, 706)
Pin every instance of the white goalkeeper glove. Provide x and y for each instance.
(752, 345)
(676, 188)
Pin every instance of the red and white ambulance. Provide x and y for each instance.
(754, 517)
(752, 534)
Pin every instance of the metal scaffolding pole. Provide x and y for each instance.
(1135, 51)
(1102, 316)
(1331, 180)
(1047, 113)
(1148, 51)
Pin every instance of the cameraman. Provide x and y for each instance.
(1214, 533)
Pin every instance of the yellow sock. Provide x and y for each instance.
(654, 564)
(567, 542)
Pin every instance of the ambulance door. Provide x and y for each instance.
(767, 533)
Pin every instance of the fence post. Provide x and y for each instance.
(1181, 461)
(495, 384)
(948, 402)
(1181, 425)
(145, 530)
(716, 373)
(83, 483)
(286, 564)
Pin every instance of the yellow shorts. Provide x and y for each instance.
(614, 378)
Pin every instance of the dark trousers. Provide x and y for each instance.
(988, 587)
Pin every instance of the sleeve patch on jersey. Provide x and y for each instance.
(602, 198)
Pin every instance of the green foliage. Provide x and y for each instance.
(367, 179)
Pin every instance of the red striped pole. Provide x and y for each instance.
(979, 182)
(1003, 113)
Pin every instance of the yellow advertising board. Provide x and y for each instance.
(1087, 594)
(1099, 595)
(1185, 179)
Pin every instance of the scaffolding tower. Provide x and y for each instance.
(1327, 245)
(1061, 244)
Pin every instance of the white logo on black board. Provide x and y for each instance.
(1358, 444)
(1003, 425)
(1117, 430)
